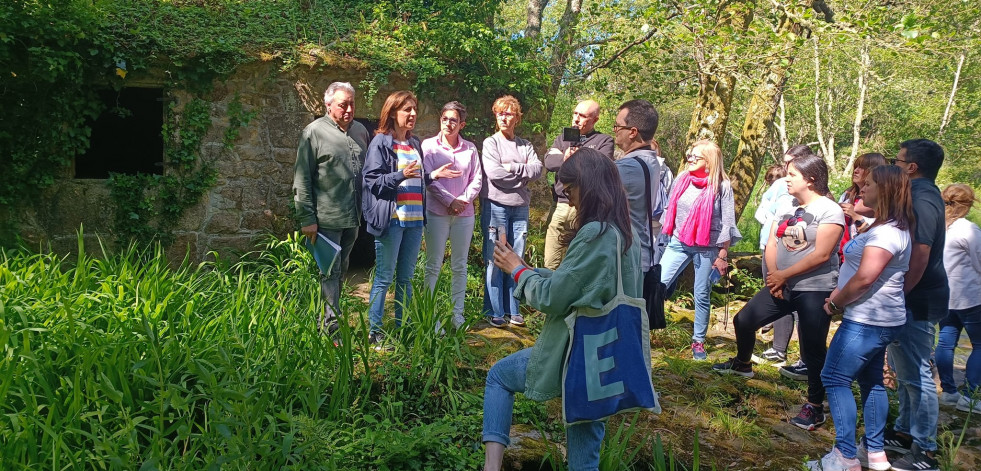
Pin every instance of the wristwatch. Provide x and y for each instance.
(834, 307)
(859, 222)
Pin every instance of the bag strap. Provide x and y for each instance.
(647, 194)
(619, 272)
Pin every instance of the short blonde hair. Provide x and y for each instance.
(507, 102)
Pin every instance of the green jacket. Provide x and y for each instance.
(585, 278)
(327, 175)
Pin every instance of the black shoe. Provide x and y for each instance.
(379, 342)
(916, 460)
(333, 330)
(796, 371)
(734, 366)
(893, 441)
(810, 417)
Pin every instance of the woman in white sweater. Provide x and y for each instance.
(962, 259)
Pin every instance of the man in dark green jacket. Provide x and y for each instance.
(327, 186)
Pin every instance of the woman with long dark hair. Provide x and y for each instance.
(394, 204)
(802, 270)
(962, 259)
(586, 278)
(870, 298)
(701, 220)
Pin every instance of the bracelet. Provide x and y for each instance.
(834, 307)
(518, 274)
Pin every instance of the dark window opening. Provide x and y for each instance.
(126, 137)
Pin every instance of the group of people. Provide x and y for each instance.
(891, 258)
(876, 258)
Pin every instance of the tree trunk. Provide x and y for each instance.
(711, 113)
(782, 127)
(863, 87)
(755, 136)
(957, 75)
(716, 84)
(753, 141)
(536, 8)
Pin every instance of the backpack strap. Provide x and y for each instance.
(647, 195)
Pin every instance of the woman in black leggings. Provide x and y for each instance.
(802, 270)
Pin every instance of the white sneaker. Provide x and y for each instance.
(966, 404)
(834, 461)
(949, 399)
(876, 461)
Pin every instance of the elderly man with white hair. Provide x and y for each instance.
(327, 187)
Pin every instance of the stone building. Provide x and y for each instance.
(253, 195)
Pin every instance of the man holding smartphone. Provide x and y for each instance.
(582, 133)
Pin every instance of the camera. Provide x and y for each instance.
(572, 136)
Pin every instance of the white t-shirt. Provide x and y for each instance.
(884, 304)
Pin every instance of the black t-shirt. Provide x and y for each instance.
(928, 299)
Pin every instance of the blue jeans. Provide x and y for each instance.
(487, 254)
(857, 352)
(396, 252)
(507, 377)
(909, 357)
(675, 259)
(950, 332)
(500, 286)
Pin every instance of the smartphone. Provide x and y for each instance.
(502, 234)
(715, 276)
(571, 135)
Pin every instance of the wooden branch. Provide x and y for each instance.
(626, 48)
(863, 87)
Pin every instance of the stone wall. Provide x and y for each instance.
(252, 196)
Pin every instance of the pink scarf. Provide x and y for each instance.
(697, 226)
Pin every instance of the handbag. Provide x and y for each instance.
(654, 290)
(607, 366)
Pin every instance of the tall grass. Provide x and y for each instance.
(124, 363)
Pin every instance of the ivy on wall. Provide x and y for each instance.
(61, 52)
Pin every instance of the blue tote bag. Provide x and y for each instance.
(608, 361)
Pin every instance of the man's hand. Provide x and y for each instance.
(457, 206)
(411, 170)
(445, 172)
(310, 232)
(568, 153)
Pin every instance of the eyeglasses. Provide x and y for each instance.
(618, 127)
(452, 121)
(893, 161)
(505, 114)
(694, 158)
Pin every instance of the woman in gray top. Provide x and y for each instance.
(509, 164)
(700, 219)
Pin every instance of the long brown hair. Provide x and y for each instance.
(601, 194)
(958, 200)
(866, 162)
(895, 201)
(394, 102)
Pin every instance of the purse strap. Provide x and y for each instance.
(647, 194)
(619, 271)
